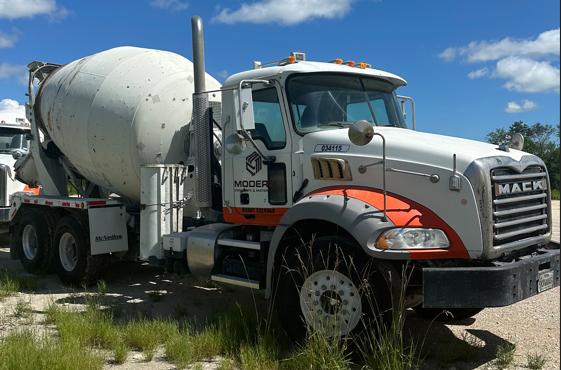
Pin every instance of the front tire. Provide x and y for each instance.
(34, 243)
(438, 314)
(74, 262)
(329, 287)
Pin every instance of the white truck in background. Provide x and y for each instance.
(14, 129)
(234, 181)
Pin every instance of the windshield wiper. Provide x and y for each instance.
(336, 124)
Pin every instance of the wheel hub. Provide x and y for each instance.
(330, 302)
(29, 242)
(68, 252)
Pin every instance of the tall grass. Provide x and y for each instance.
(11, 283)
(241, 337)
(25, 349)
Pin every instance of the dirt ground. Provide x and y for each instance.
(533, 325)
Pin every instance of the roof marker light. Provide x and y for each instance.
(291, 59)
(351, 63)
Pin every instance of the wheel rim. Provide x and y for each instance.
(330, 303)
(29, 242)
(68, 252)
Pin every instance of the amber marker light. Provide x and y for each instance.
(351, 63)
(291, 59)
(362, 65)
(382, 243)
(82, 205)
(339, 61)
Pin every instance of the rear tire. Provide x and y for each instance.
(458, 314)
(33, 241)
(74, 262)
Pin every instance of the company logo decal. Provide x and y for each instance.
(253, 163)
(107, 238)
(519, 187)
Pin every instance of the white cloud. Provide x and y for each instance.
(479, 73)
(10, 110)
(223, 74)
(448, 55)
(527, 75)
(174, 5)
(527, 105)
(286, 12)
(19, 71)
(546, 44)
(13, 9)
(7, 41)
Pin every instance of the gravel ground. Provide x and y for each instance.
(533, 325)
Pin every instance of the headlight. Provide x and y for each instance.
(413, 238)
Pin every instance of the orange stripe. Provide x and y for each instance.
(239, 215)
(404, 212)
(35, 189)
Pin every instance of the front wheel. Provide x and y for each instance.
(74, 263)
(329, 287)
(454, 314)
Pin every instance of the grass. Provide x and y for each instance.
(535, 361)
(555, 194)
(22, 309)
(11, 283)
(240, 338)
(505, 355)
(24, 349)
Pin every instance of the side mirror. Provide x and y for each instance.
(244, 108)
(361, 133)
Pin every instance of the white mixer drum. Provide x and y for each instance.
(112, 112)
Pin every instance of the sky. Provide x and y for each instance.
(471, 66)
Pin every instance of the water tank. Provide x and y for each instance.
(114, 111)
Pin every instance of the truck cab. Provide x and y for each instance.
(13, 145)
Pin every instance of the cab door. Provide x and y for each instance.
(262, 191)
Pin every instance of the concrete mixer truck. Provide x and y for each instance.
(297, 177)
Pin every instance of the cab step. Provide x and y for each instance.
(248, 283)
(240, 244)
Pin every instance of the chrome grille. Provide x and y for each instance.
(519, 203)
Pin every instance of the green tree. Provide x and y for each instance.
(541, 140)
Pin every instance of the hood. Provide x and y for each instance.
(413, 146)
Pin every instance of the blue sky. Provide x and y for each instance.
(472, 66)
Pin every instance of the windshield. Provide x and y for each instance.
(11, 139)
(328, 101)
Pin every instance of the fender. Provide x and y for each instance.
(359, 210)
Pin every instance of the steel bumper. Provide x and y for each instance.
(495, 286)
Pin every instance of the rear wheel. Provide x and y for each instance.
(33, 242)
(330, 288)
(457, 314)
(73, 260)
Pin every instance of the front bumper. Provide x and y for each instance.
(497, 286)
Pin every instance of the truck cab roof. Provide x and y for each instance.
(16, 126)
(311, 67)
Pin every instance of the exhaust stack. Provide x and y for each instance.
(202, 128)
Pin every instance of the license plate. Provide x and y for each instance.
(545, 281)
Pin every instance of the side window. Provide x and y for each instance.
(269, 126)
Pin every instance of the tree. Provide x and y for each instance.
(541, 140)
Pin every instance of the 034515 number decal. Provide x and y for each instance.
(331, 148)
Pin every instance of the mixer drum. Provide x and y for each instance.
(112, 112)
